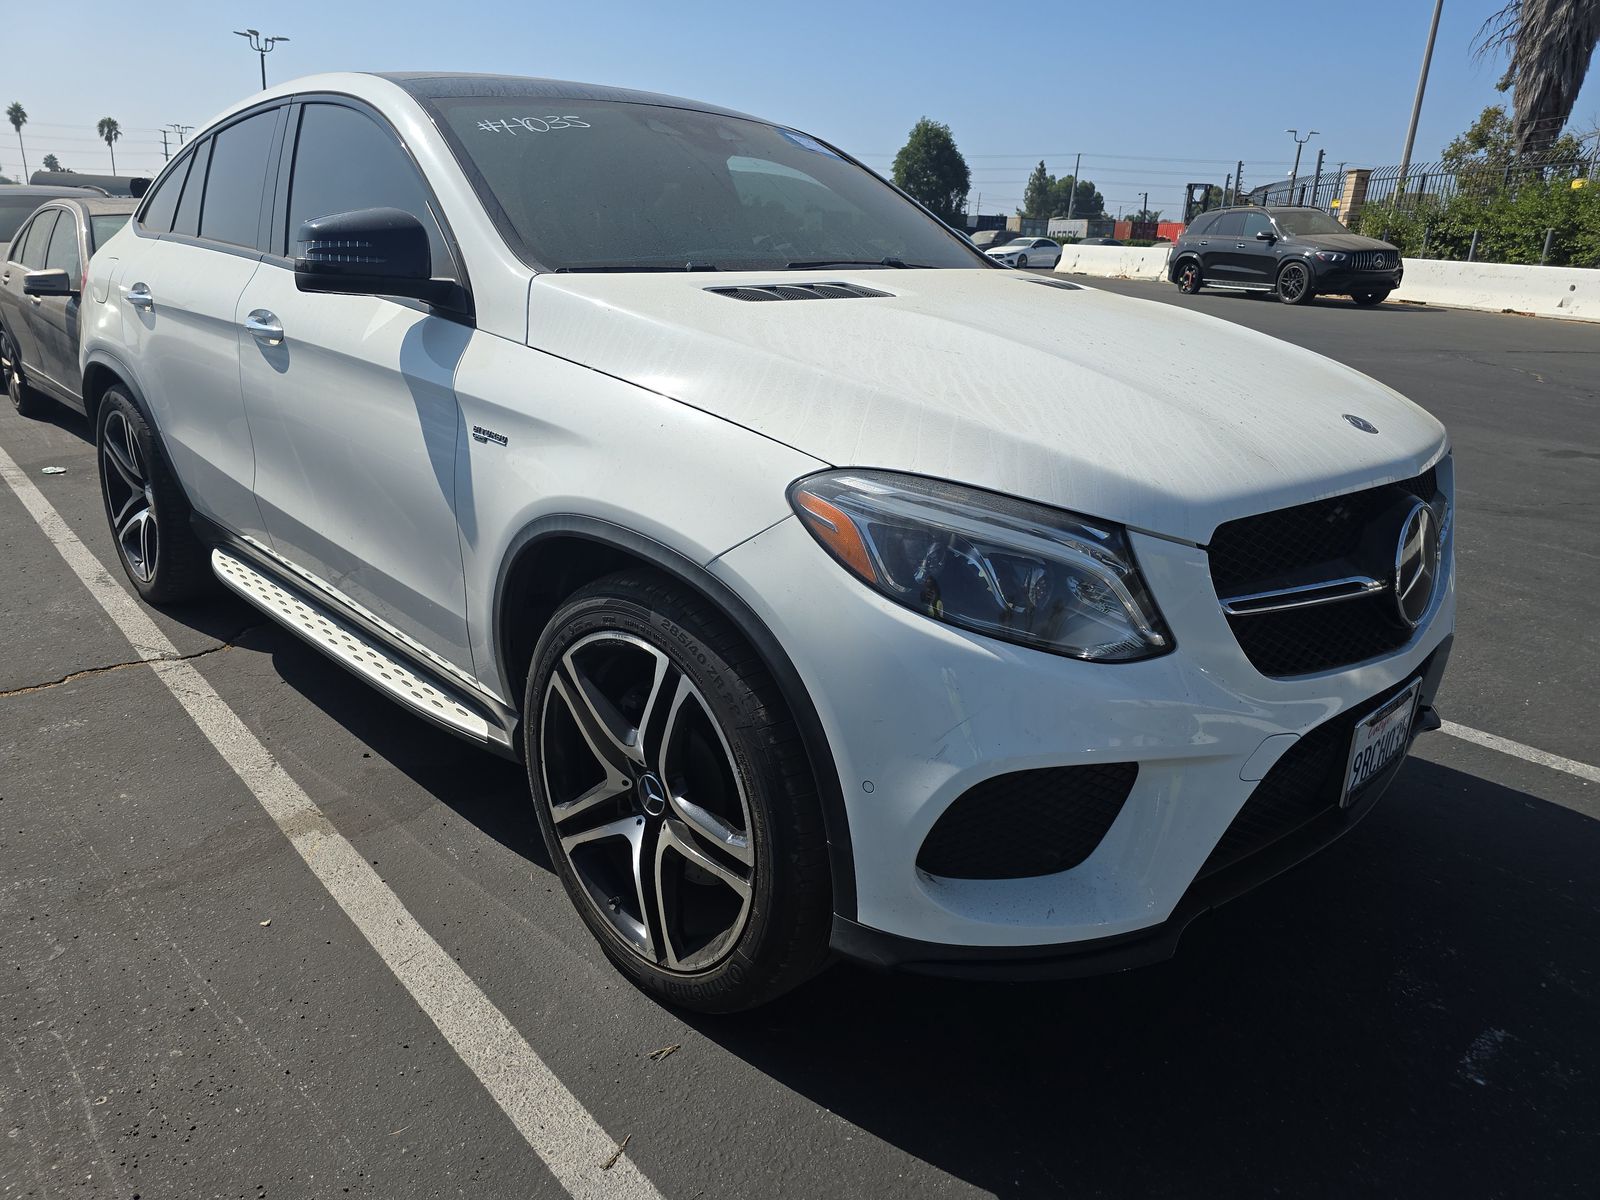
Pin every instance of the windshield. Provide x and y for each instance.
(14, 211)
(1307, 223)
(102, 226)
(610, 185)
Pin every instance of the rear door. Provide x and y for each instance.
(54, 319)
(27, 254)
(1220, 257)
(180, 288)
(353, 408)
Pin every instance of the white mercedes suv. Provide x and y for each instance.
(843, 592)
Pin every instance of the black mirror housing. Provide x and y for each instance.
(53, 282)
(369, 252)
(1266, 235)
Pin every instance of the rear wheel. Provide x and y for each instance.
(675, 797)
(1295, 284)
(24, 399)
(146, 507)
(1189, 280)
(1368, 299)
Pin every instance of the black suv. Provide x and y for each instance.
(1295, 253)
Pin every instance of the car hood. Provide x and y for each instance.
(1342, 241)
(1128, 410)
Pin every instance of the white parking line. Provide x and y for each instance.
(1543, 758)
(552, 1120)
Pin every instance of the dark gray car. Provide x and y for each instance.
(17, 202)
(1295, 253)
(41, 283)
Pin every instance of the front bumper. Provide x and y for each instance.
(1344, 281)
(916, 713)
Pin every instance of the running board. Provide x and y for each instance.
(354, 650)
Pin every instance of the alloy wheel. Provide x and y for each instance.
(646, 801)
(1189, 278)
(1293, 282)
(129, 497)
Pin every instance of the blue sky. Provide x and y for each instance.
(1142, 97)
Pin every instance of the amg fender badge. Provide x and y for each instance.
(480, 434)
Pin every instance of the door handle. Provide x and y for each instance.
(139, 296)
(264, 327)
(1238, 246)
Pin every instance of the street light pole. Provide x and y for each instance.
(1299, 145)
(262, 46)
(1416, 105)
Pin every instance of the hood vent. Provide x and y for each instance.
(800, 291)
(1062, 284)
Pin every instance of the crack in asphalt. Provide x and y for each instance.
(229, 644)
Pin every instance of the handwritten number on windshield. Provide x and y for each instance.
(516, 125)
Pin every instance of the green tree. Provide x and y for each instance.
(931, 169)
(1087, 203)
(18, 116)
(1036, 194)
(52, 163)
(1491, 140)
(109, 132)
(1549, 45)
(1144, 214)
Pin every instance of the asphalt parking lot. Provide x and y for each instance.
(188, 1012)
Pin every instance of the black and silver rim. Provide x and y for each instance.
(1292, 283)
(648, 807)
(1189, 277)
(129, 498)
(9, 379)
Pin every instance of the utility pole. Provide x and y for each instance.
(1227, 189)
(1416, 105)
(1238, 180)
(1144, 209)
(1316, 187)
(180, 130)
(1072, 196)
(262, 46)
(1299, 145)
(165, 156)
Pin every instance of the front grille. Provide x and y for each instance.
(1254, 553)
(800, 291)
(1027, 822)
(1374, 260)
(1303, 785)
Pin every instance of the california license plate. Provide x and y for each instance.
(1379, 740)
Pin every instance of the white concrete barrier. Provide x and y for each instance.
(1569, 292)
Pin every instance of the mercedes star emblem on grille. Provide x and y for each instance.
(1416, 564)
(1360, 423)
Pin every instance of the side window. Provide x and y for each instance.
(63, 252)
(1255, 223)
(1201, 225)
(187, 219)
(163, 202)
(1230, 224)
(344, 160)
(231, 211)
(38, 238)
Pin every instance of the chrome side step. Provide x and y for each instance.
(352, 649)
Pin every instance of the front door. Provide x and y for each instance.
(27, 254)
(1258, 259)
(55, 318)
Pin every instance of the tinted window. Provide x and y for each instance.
(163, 202)
(1202, 224)
(1255, 223)
(63, 252)
(33, 246)
(102, 226)
(234, 183)
(1230, 224)
(609, 185)
(14, 211)
(188, 218)
(1308, 222)
(343, 161)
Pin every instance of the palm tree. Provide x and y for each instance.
(18, 116)
(1549, 44)
(109, 132)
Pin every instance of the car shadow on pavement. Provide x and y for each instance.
(1411, 1013)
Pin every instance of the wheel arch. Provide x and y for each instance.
(558, 554)
(1185, 257)
(103, 371)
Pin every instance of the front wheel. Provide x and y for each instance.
(1368, 299)
(146, 507)
(1022, 261)
(1189, 281)
(674, 796)
(24, 399)
(1295, 284)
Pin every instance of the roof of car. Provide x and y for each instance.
(99, 205)
(44, 191)
(433, 84)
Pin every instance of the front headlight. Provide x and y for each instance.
(1329, 256)
(992, 564)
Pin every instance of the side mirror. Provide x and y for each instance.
(1266, 235)
(54, 282)
(369, 252)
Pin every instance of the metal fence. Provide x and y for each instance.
(1314, 191)
(1427, 185)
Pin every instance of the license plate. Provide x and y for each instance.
(1379, 740)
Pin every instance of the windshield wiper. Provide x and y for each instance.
(632, 267)
(898, 264)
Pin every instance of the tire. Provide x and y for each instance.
(1189, 279)
(1022, 262)
(146, 508)
(1369, 299)
(714, 800)
(24, 399)
(1296, 284)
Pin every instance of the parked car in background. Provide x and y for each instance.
(1294, 253)
(41, 296)
(17, 201)
(1100, 241)
(843, 593)
(1027, 252)
(983, 239)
